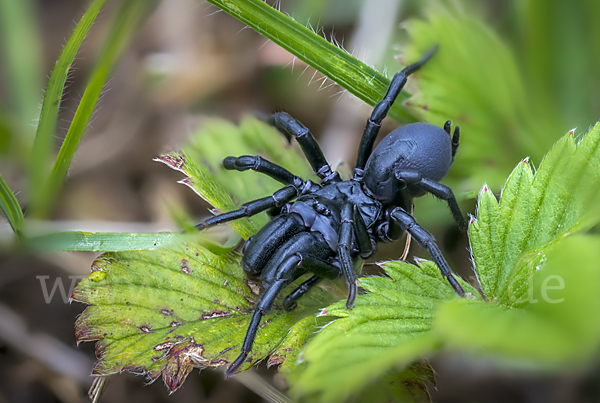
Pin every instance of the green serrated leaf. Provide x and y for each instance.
(554, 325)
(226, 190)
(168, 310)
(509, 237)
(387, 328)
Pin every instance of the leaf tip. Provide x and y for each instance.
(173, 160)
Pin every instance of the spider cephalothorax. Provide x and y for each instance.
(323, 228)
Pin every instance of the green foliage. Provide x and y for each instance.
(186, 302)
(520, 250)
(557, 44)
(384, 330)
(161, 312)
(201, 161)
(474, 80)
(534, 212)
(77, 241)
(551, 329)
(127, 20)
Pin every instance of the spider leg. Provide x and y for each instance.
(381, 110)
(427, 241)
(289, 302)
(305, 251)
(440, 191)
(251, 208)
(310, 147)
(314, 264)
(363, 239)
(285, 270)
(348, 219)
(259, 164)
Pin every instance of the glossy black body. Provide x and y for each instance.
(318, 213)
(323, 228)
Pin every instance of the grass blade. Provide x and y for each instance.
(78, 241)
(42, 146)
(11, 208)
(358, 78)
(126, 22)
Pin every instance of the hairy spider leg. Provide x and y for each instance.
(310, 147)
(261, 165)
(381, 110)
(427, 241)
(277, 199)
(440, 191)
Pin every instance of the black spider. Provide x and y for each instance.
(330, 225)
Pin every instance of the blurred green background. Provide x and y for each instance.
(516, 75)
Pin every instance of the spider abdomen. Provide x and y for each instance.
(421, 147)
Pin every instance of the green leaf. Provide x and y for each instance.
(202, 287)
(11, 208)
(474, 80)
(43, 144)
(542, 284)
(553, 327)
(508, 238)
(414, 313)
(336, 64)
(165, 311)
(387, 328)
(226, 190)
